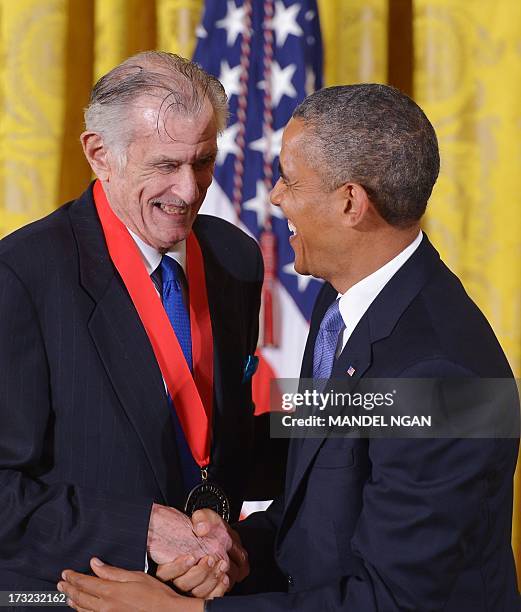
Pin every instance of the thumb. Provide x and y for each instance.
(202, 521)
(205, 515)
(201, 529)
(108, 572)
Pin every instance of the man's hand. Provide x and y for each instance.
(207, 579)
(118, 590)
(170, 535)
(209, 526)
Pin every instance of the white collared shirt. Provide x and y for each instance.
(152, 257)
(357, 299)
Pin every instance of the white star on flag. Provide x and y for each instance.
(302, 281)
(230, 78)
(284, 22)
(281, 84)
(227, 143)
(260, 145)
(233, 23)
(295, 69)
(258, 205)
(200, 32)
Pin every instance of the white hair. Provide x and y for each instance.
(182, 85)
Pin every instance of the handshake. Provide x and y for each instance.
(201, 556)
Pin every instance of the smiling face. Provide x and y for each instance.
(313, 212)
(169, 165)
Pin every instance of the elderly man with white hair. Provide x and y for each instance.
(127, 341)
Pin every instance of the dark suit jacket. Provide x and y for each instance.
(401, 524)
(86, 437)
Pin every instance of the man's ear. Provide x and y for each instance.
(356, 203)
(96, 154)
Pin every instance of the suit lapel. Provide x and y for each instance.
(125, 350)
(355, 358)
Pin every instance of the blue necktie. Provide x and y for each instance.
(326, 342)
(173, 303)
(172, 296)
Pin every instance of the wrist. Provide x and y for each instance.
(194, 605)
(152, 525)
(186, 603)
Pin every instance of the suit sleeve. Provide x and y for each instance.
(258, 533)
(423, 505)
(47, 527)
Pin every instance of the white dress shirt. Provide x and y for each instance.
(152, 257)
(357, 299)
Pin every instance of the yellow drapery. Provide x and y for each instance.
(467, 67)
(468, 80)
(32, 79)
(355, 41)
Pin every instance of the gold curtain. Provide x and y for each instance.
(33, 37)
(53, 51)
(355, 40)
(467, 69)
(468, 79)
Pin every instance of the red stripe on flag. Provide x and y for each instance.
(261, 387)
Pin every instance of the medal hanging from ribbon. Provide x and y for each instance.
(192, 396)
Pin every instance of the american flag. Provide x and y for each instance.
(268, 55)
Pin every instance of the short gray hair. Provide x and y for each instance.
(182, 85)
(376, 136)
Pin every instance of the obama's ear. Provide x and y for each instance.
(356, 203)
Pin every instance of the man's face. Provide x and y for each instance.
(310, 209)
(169, 168)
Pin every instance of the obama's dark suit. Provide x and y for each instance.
(387, 525)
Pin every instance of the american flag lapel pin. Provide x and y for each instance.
(351, 370)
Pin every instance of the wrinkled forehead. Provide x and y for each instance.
(162, 116)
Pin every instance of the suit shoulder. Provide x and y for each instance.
(42, 231)
(40, 243)
(448, 325)
(230, 246)
(216, 228)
